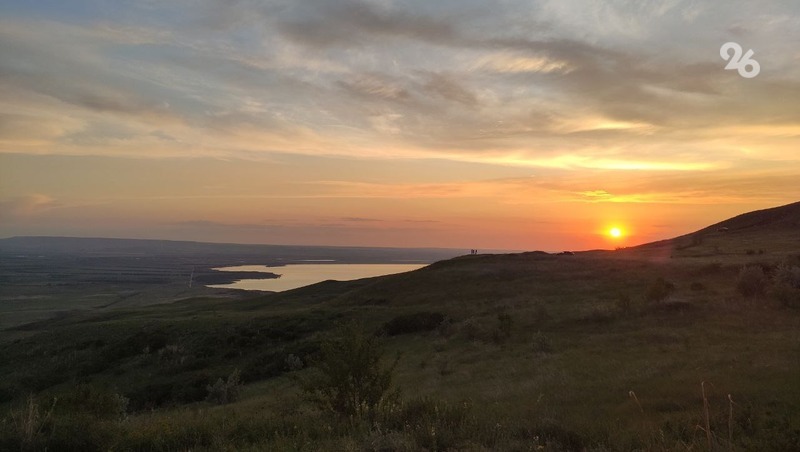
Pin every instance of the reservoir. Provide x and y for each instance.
(299, 275)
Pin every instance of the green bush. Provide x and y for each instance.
(169, 390)
(294, 362)
(93, 401)
(225, 391)
(350, 378)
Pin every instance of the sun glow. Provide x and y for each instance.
(615, 232)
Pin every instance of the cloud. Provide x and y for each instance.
(506, 62)
(323, 24)
(360, 219)
(448, 87)
(510, 83)
(26, 206)
(374, 85)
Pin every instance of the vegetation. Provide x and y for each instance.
(225, 391)
(659, 290)
(752, 281)
(413, 323)
(351, 380)
(594, 351)
(786, 285)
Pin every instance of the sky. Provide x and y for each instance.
(506, 124)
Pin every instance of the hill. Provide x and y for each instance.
(224, 253)
(595, 351)
(773, 232)
(785, 217)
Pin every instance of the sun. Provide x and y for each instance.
(615, 232)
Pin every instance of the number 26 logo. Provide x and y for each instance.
(739, 62)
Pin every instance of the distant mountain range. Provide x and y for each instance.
(776, 230)
(112, 247)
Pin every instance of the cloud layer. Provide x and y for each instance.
(582, 101)
(533, 80)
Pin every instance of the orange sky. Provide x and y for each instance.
(515, 125)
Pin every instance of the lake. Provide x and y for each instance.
(299, 275)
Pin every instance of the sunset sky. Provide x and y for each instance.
(455, 123)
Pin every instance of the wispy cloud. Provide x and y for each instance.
(407, 80)
(622, 102)
(25, 206)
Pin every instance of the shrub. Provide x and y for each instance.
(93, 401)
(659, 290)
(27, 427)
(225, 391)
(351, 379)
(88, 420)
(293, 362)
(433, 424)
(786, 285)
(751, 282)
(80, 432)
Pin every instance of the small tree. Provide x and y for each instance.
(351, 380)
(225, 391)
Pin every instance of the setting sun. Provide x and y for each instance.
(615, 232)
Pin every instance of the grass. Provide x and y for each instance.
(512, 352)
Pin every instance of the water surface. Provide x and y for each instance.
(299, 275)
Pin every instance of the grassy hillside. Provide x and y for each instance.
(46, 277)
(627, 350)
(764, 235)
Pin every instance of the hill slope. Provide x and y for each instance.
(785, 217)
(762, 234)
(527, 351)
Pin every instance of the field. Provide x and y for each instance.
(46, 277)
(663, 347)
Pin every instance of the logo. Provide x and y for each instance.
(739, 62)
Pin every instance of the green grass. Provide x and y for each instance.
(535, 353)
